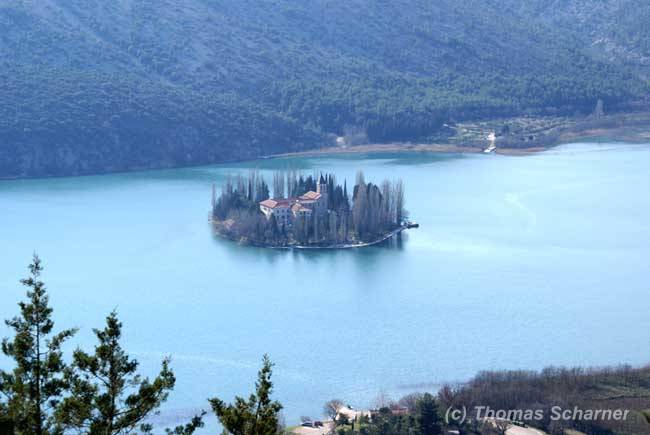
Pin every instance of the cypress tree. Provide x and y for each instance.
(35, 386)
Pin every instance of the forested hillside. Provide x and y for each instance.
(89, 86)
(615, 31)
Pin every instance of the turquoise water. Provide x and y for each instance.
(520, 262)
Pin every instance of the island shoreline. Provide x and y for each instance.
(215, 227)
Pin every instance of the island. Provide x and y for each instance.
(308, 211)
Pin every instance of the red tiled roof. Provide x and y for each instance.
(311, 195)
(308, 198)
(276, 203)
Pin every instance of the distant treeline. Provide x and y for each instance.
(543, 395)
(623, 387)
(365, 214)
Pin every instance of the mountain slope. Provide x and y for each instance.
(90, 86)
(615, 31)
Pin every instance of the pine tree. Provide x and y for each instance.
(256, 416)
(188, 429)
(35, 386)
(426, 416)
(107, 395)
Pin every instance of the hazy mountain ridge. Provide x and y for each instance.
(99, 86)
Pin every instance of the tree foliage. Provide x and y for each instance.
(331, 408)
(35, 386)
(427, 415)
(256, 416)
(421, 418)
(108, 396)
(99, 393)
(189, 428)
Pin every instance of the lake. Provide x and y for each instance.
(519, 262)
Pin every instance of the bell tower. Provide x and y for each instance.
(321, 188)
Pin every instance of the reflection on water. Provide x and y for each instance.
(247, 253)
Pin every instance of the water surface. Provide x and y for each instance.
(520, 262)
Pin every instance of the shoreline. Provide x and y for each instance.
(408, 148)
(631, 128)
(398, 147)
(385, 237)
(245, 242)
